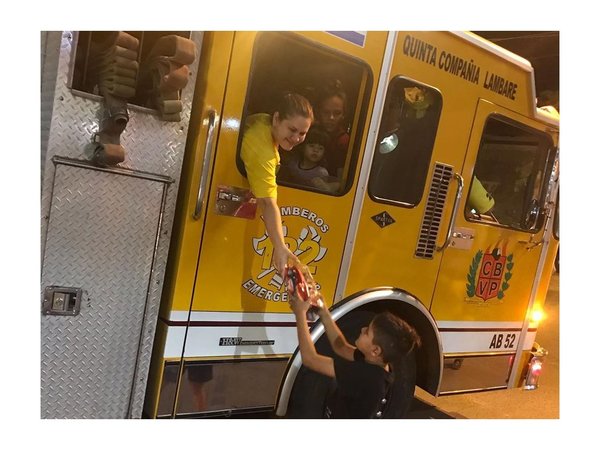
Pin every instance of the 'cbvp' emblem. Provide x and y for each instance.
(493, 275)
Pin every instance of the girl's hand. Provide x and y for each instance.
(316, 300)
(319, 305)
(299, 306)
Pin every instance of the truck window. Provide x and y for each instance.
(338, 88)
(405, 142)
(510, 176)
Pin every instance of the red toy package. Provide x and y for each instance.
(297, 278)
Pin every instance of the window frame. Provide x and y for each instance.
(370, 189)
(359, 116)
(544, 162)
(556, 221)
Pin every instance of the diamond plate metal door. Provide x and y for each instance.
(154, 147)
(101, 238)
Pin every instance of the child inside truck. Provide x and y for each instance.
(330, 114)
(306, 166)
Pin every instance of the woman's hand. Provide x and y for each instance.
(272, 218)
(281, 256)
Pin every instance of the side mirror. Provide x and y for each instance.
(389, 143)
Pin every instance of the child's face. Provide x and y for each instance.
(331, 113)
(313, 152)
(364, 342)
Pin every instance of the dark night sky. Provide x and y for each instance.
(540, 48)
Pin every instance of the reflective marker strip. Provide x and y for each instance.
(355, 37)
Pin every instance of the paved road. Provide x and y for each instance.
(542, 403)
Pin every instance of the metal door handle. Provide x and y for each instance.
(454, 211)
(212, 116)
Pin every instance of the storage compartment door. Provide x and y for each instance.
(101, 238)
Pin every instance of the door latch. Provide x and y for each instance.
(462, 238)
(61, 301)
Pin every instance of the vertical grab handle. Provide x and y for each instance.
(212, 116)
(461, 183)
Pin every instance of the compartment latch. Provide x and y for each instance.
(61, 301)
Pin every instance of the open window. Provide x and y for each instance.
(511, 176)
(283, 62)
(405, 142)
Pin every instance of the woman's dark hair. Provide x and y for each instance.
(395, 337)
(316, 135)
(290, 105)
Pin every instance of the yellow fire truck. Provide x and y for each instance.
(159, 296)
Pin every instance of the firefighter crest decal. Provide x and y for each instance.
(490, 273)
(303, 238)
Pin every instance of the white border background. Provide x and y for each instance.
(22, 24)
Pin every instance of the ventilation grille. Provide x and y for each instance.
(432, 217)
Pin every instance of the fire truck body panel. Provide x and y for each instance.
(443, 213)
